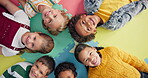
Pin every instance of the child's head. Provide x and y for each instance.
(42, 67)
(38, 42)
(87, 55)
(54, 20)
(65, 70)
(82, 27)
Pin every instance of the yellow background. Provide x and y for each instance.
(132, 38)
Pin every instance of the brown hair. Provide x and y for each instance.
(47, 45)
(62, 27)
(47, 61)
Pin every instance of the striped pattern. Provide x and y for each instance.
(19, 70)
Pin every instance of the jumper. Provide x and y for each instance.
(116, 63)
(12, 28)
(19, 70)
(31, 7)
(115, 14)
(109, 6)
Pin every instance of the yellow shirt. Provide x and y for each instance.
(109, 6)
(117, 64)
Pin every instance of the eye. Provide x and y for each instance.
(55, 16)
(37, 66)
(90, 53)
(34, 38)
(88, 29)
(50, 21)
(83, 22)
(41, 72)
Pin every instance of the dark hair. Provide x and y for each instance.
(47, 61)
(47, 45)
(80, 47)
(73, 32)
(63, 67)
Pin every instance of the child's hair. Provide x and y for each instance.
(63, 67)
(73, 32)
(47, 61)
(62, 27)
(47, 45)
(80, 47)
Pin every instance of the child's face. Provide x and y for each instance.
(66, 74)
(32, 41)
(87, 24)
(89, 57)
(38, 70)
(53, 18)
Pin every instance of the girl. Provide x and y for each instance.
(110, 62)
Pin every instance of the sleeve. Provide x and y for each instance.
(17, 71)
(132, 60)
(29, 10)
(8, 52)
(19, 16)
(120, 17)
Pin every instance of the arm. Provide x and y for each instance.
(9, 6)
(132, 60)
(123, 15)
(22, 2)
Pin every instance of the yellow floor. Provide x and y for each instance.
(133, 37)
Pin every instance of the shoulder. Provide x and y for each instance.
(111, 48)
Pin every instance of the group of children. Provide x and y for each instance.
(102, 62)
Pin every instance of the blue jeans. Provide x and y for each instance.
(144, 75)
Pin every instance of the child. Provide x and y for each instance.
(53, 20)
(108, 14)
(65, 70)
(110, 62)
(15, 35)
(40, 69)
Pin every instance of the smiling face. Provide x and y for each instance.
(52, 18)
(87, 24)
(66, 74)
(89, 57)
(32, 41)
(38, 70)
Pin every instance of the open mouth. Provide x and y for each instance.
(27, 40)
(95, 61)
(92, 21)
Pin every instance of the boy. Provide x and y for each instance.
(15, 34)
(53, 20)
(109, 14)
(65, 70)
(40, 69)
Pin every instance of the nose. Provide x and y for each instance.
(31, 40)
(35, 73)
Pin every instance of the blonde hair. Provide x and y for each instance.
(61, 28)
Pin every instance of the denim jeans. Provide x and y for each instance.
(144, 75)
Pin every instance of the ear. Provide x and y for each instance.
(94, 49)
